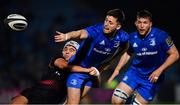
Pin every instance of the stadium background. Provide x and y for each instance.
(24, 55)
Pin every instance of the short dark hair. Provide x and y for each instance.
(117, 13)
(144, 14)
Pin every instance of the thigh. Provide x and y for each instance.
(73, 96)
(125, 88)
(140, 100)
(78, 80)
(85, 91)
(148, 90)
(121, 93)
(76, 83)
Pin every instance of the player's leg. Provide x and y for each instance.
(85, 91)
(146, 91)
(139, 100)
(76, 83)
(125, 88)
(73, 96)
(23, 98)
(20, 99)
(121, 93)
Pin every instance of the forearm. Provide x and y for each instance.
(62, 64)
(74, 68)
(123, 60)
(169, 61)
(80, 34)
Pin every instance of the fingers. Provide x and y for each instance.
(59, 37)
(153, 78)
(94, 71)
(57, 32)
(109, 81)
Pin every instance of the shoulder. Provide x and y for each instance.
(133, 35)
(123, 35)
(159, 33)
(94, 30)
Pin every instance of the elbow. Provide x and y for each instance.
(60, 63)
(177, 56)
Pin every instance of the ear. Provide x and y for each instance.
(151, 24)
(135, 23)
(118, 27)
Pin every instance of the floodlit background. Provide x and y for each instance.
(24, 55)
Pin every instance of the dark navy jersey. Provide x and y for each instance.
(150, 51)
(98, 48)
(53, 72)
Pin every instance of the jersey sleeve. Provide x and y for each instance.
(130, 50)
(166, 41)
(93, 30)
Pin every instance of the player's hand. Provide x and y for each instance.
(154, 76)
(94, 71)
(115, 73)
(60, 37)
(109, 80)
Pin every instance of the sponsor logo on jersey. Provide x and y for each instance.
(147, 53)
(102, 52)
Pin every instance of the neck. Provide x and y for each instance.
(148, 31)
(111, 35)
(143, 36)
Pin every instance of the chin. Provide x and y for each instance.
(142, 33)
(106, 32)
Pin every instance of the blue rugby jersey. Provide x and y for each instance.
(97, 47)
(150, 51)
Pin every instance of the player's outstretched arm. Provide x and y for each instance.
(79, 34)
(123, 60)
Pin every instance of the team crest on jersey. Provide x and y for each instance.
(116, 44)
(102, 42)
(135, 45)
(152, 42)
